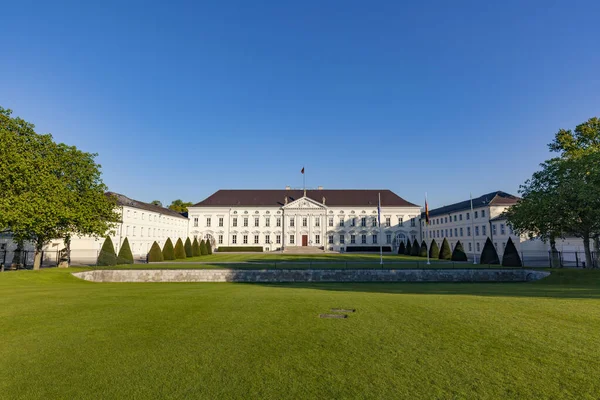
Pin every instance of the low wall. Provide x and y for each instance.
(312, 275)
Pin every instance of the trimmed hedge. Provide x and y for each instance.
(511, 258)
(423, 249)
(168, 251)
(107, 254)
(445, 252)
(203, 250)
(401, 248)
(125, 255)
(188, 248)
(434, 250)
(209, 250)
(179, 250)
(489, 254)
(230, 249)
(459, 253)
(415, 248)
(365, 249)
(155, 254)
(195, 248)
(408, 248)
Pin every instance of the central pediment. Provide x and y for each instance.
(304, 203)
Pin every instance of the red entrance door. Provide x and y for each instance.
(304, 240)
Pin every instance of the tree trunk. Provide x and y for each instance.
(37, 259)
(588, 253)
(554, 254)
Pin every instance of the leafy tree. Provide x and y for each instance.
(434, 250)
(107, 254)
(423, 249)
(408, 248)
(511, 258)
(459, 252)
(489, 254)
(188, 248)
(401, 248)
(179, 205)
(445, 252)
(155, 254)
(125, 255)
(203, 249)
(156, 203)
(195, 248)
(179, 250)
(49, 190)
(168, 250)
(415, 248)
(585, 140)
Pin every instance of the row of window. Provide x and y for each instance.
(478, 246)
(152, 232)
(441, 233)
(152, 217)
(317, 220)
(363, 239)
(317, 238)
(445, 220)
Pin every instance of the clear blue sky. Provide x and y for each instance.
(181, 99)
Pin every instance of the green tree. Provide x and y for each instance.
(489, 254)
(107, 254)
(434, 250)
(125, 255)
(459, 252)
(401, 248)
(585, 140)
(445, 252)
(168, 250)
(511, 258)
(179, 250)
(195, 248)
(155, 254)
(423, 249)
(156, 203)
(203, 249)
(180, 206)
(415, 248)
(208, 246)
(408, 248)
(188, 248)
(49, 190)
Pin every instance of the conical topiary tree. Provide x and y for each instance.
(423, 249)
(401, 248)
(188, 248)
(179, 250)
(208, 247)
(415, 248)
(445, 252)
(408, 249)
(195, 248)
(489, 254)
(155, 254)
(107, 254)
(434, 250)
(203, 250)
(168, 250)
(511, 258)
(459, 252)
(125, 255)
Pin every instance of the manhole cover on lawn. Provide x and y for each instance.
(333, 316)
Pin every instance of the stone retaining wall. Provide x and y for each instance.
(312, 275)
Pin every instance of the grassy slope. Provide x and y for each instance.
(66, 338)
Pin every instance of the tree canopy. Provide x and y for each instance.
(179, 205)
(156, 203)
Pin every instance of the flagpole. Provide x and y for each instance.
(380, 234)
(426, 228)
(473, 230)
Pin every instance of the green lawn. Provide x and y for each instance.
(71, 339)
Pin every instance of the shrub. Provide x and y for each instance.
(209, 250)
(195, 248)
(489, 254)
(203, 250)
(459, 253)
(445, 252)
(125, 256)
(229, 249)
(408, 248)
(168, 251)
(188, 248)
(434, 250)
(107, 254)
(155, 254)
(511, 258)
(179, 250)
(401, 248)
(423, 249)
(368, 249)
(415, 249)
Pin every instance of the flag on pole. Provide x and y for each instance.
(426, 211)
(379, 211)
(302, 171)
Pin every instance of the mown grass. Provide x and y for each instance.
(67, 338)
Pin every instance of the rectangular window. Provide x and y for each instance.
(476, 214)
(503, 246)
(374, 221)
(220, 239)
(454, 217)
(234, 221)
(478, 247)
(374, 239)
(445, 220)
(483, 230)
(468, 216)
(363, 239)
(493, 229)
(278, 223)
(341, 221)
(341, 239)
(278, 239)
(450, 232)
(468, 231)
(256, 239)
(220, 221)
(496, 245)
(429, 234)
(330, 239)
(234, 239)
(208, 222)
(482, 213)
(257, 221)
(461, 232)
(142, 231)
(195, 221)
(331, 221)
(134, 231)
(502, 230)
(470, 247)
(363, 221)
(400, 221)
(135, 214)
(245, 221)
(317, 221)
(245, 239)
(292, 239)
(476, 231)
(446, 233)
(317, 239)
(460, 217)
(388, 221)
(388, 239)
(304, 221)
(413, 222)
(142, 216)
(352, 239)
